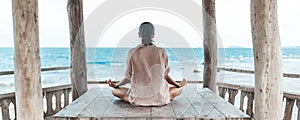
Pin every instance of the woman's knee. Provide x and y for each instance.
(175, 91)
(115, 92)
(119, 92)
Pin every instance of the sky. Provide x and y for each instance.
(232, 17)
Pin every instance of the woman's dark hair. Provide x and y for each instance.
(146, 28)
(146, 23)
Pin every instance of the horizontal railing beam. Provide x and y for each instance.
(238, 87)
(289, 75)
(56, 88)
(7, 95)
(43, 69)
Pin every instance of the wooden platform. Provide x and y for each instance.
(194, 103)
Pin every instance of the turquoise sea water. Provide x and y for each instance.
(104, 63)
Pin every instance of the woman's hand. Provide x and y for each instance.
(111, 84)
(182, 83)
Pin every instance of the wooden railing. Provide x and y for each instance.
(289, 75)
(42, 69)
(62, 98)
(233, 90)
(247, 95)
(61, 94)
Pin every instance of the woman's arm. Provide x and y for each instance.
(123, 82)
(171, 81)
(127, 73)
(167, 77)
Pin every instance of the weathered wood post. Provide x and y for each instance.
(268, 60)
(78, 60)
(27, 60)
(209, 45)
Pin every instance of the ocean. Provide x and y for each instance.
(105, 63)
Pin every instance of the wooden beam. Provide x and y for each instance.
(267, 60)
(27, 60)
(210, 45)
(78, 72)
(42, 69)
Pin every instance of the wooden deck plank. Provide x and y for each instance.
(97, 107)
(77, 106)
(107, 92)
(194, 103)
(183, 108)
(117, 109)
(190, 90)
(163, 112)
(204, 108)
(201, 105)
(139, 112)
(222, 105)
(86, 112)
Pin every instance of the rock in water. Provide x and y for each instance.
(196, 71)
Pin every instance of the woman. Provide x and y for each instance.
(147, 71)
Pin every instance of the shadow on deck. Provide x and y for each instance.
(194, 103)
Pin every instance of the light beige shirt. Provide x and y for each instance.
(147, 67)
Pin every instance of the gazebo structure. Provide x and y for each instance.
(266, 44)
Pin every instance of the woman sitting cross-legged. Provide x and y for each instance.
(147, 72)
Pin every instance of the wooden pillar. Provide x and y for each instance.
(210, 45)
(27, 60)
(268, 60)
(78, 55)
